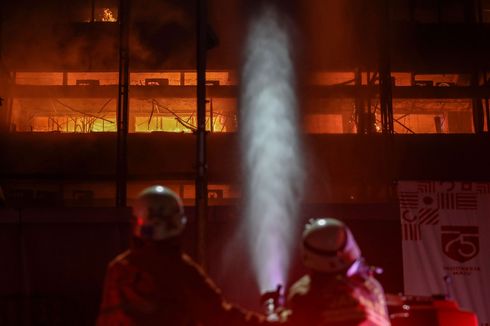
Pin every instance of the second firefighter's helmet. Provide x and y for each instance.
(329, 246)
(159, 214)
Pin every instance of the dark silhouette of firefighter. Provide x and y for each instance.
(155, 283)
(340, 288)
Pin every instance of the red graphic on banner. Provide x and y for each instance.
(466, 186)
(428, 216)
(466, 201)
(446, 200)
(427, 186)
(446, 186)
(457, 200)
(460, 243)
(411, 232)
(411, 222)
(429, 201)
(409, 199)
(483, 188)
(441, 200)
(408, 217)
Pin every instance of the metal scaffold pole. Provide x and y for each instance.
(201, 157)
(359, 104)
(477, 106)
(385, 80)
(122, 105)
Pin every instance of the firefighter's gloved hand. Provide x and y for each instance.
(272, 297)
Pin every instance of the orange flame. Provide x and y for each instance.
(108, 16)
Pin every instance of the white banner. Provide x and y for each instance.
(446, 241)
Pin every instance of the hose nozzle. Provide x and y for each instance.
(271, 301)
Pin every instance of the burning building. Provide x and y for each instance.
(60, 76)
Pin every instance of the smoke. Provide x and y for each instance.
(56, 35)
(273, 168)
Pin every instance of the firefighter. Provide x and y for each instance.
(340, 288)
(155, 283)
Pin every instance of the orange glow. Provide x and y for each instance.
(175, 78)
(332, 78)
(81, 124)
(177, 114)
(184, 123)
(39, 78)
(108, 16)
(323, 123)
(212, 78)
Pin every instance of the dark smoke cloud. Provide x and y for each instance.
(55, 35)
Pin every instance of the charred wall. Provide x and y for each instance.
(341, 168)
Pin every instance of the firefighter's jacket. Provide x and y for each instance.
(159, 285)
(336, 300)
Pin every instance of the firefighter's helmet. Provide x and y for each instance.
(329, 246)
(159, 214)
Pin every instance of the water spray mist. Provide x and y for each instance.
(273, 170)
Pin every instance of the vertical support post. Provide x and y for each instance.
(65, 78)
(92, 13)
(487, 113)
(385, 80)
(3, 83)
(479, 11)
(201, 157)
(182, 78)
(7, 79)
(122, 105)
(26, 300)
(477, 106)
(439, 11)
(8, 106)
(359, 103)
(487, 102)
(470, 11)
(371, 116)
(412, 6)
(211, 116)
